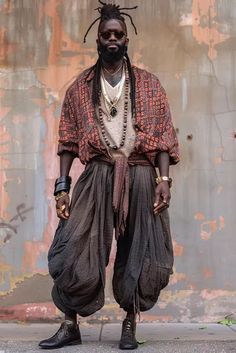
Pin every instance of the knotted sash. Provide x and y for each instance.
(120, 201)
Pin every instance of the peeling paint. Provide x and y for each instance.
(222, 223)
(8, 48)
(214, 294)
(207, 229)
(199, 216)
(206, 27)
(30, 312)
(186, 19)
(178, 249)
(177, 277)
(207, 273)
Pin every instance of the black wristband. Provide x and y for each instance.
(63, 179)
(62, 184)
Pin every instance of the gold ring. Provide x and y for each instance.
(61, 208)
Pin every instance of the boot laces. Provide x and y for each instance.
(128, 330)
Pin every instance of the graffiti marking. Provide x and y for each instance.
(11, 229)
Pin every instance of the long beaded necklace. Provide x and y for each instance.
(111, 103)
(126, 103)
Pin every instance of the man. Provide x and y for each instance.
(116, 119)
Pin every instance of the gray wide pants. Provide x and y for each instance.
(81, 247)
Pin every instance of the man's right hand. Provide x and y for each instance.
(62, 206)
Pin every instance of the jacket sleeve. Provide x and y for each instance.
(68, 134)
(168, 140)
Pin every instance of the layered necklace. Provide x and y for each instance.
(125, 77)
(111, 103)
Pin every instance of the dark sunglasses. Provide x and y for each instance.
(118, 34)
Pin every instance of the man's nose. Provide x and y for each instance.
(112, 37)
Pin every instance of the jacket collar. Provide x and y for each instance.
(90, 76)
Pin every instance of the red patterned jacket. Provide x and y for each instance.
(78, 132)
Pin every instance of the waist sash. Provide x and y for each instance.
(120, 201)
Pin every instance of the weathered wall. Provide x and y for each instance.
(190, 45)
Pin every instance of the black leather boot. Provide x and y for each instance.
(128, 340)
(68, 334)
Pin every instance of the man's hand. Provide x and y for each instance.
(162, 197)
(62, 206)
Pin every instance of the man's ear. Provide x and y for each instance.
(127, 42)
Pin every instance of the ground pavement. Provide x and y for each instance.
(103, 338)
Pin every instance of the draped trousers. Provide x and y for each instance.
(81, 246)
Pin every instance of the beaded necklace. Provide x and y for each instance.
(100, 112)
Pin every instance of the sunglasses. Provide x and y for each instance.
(118, 34)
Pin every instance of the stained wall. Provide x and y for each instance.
(191, 46)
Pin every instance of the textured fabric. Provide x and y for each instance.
(144, 256)
(81, 246)
(78, 131)
(120, 195)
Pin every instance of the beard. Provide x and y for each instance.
(111, 56)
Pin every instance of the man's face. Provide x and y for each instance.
(112, 40)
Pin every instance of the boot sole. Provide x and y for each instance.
(128, 347)
(74, 343)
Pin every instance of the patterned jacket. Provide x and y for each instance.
(78, 131)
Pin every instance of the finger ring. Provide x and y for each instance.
(61, 207)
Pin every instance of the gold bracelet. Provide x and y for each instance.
(60, 195)
(160, 179)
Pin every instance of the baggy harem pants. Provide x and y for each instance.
(81, 247)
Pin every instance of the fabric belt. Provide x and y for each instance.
(120, 201)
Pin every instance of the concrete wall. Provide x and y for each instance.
(191, 46)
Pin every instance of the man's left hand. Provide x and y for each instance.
(163, 196)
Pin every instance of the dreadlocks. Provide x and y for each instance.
(110, 12)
